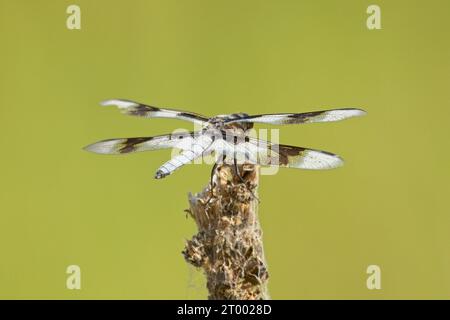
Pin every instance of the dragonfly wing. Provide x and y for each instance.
(307, 117)
(260, 152)
(181, 141)
(271, 154)
(141, 110)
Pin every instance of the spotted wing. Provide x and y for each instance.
(255, 151)
(181, 141)
(294, 157)
(307, 117)
(141, 110)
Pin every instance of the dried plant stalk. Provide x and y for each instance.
(228, 245)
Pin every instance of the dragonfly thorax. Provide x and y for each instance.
(221, 122)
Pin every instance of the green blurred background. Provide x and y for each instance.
(60, 205)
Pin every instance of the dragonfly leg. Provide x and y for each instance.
(212, 184)
(236, 169)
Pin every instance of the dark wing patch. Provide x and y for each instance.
(140, 110)
(131, 144)
(285, 152)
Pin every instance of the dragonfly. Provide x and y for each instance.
(226, 137)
